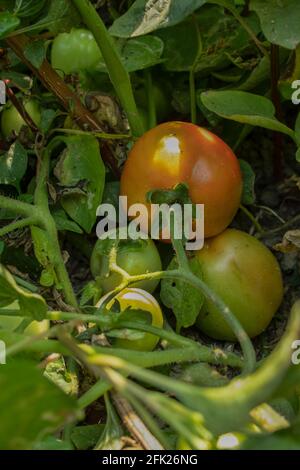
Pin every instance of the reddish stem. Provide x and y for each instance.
(56, 85)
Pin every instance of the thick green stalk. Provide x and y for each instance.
(17, 207)
(189, 349)
(18, 225)
(117, 72)
(41, 202)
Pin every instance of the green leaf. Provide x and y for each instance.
(90, 293)
(30, 305)
(279, 21)
(276, 441)
(184, 300)
(81, 171)
(248, 195)
(246, 108)
(30, 406)
(52, 443)
(27, 8)
(86, 437)
(35, 52)
(225, 41)
(13, 165)
(8, 23)
(61, 16)
(23, 82)
(137, 53)
(146, 16)
(111, 437)
(57, 373)
(141, 53)
(179, 55)
(64, 223)
(42, 251)
(47, 118)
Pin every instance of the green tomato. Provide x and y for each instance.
(75, 51)
(137, 299)
(135, 257)
(246, 275)
(12, 121)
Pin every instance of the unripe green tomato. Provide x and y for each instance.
(12, 121)
(137, 299)
(75, 51)
(9, 322)
(140, 258)
(246, 276)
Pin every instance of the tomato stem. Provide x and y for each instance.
(118, 74)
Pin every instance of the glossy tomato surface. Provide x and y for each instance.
(75, 51)
(12, 121)
(246, 275)
(178, 152)
(138, 299)
(135, 257)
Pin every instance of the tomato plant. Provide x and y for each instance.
(135, 257)
(75, 51)
(93, 76)
(12, 121)
(138, 299)
(246, 275)
(178, 152)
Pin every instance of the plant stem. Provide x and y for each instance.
(117, 72)
(94, 393)
(247, 28)
(152, 117)
(99, 135)
(186, 349)
(41, 201)
(252, 218)
(18, 224)
(18, 207)
(280, 229)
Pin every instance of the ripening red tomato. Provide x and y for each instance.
(180, 152)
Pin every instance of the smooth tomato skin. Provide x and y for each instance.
(12, 121)
(138, 299)
(179, 152)
(142, 260)
(246, 275)
(75, 51)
